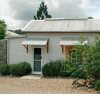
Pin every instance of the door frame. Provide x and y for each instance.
(37, 72)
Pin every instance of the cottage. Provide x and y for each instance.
(50, 39)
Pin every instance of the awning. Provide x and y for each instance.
(71, 42)
(35, 42)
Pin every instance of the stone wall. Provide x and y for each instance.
(3, 51)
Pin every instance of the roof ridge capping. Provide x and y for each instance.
(58, 19)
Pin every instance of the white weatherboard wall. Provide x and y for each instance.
(17, 53)
(55, 50)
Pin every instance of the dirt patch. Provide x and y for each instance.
(43, 85)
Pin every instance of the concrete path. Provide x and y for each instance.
(31, 77)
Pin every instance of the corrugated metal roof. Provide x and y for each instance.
(35, 41)
(64, 25)
(10, 34)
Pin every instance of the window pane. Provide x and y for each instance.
(37, 50)
(37, 57)
(37, 65)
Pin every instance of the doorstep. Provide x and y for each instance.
(31, 77)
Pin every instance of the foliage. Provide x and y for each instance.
(42, 12)
(5, 70)
(82, 50)
(79, 73)
(73, 56)
(90, 58)
(19, 31)
(97, 85)
(2, 29)
(68, 69)
(53, 68)
(90, 17)
(92, 61)
(58, 68)
(65, 73)
(97, 74)
(20, 69)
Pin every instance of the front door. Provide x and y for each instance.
(37, 60)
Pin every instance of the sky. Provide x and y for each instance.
(17, 13)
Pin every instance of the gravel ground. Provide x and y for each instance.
(43, 85)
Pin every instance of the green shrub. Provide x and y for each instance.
(97, 85)
(79, 73)
(53, 68)
(68, 69)
(20, 69)
(5, 70)
(58, 68)
(97, 74)
(65, 73)
(92, 59)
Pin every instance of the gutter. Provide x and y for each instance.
(11, 37)
(61, 31)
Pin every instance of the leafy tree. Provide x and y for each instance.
(90, 17)
(42, 12)
(19, 31)
(2, 29)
